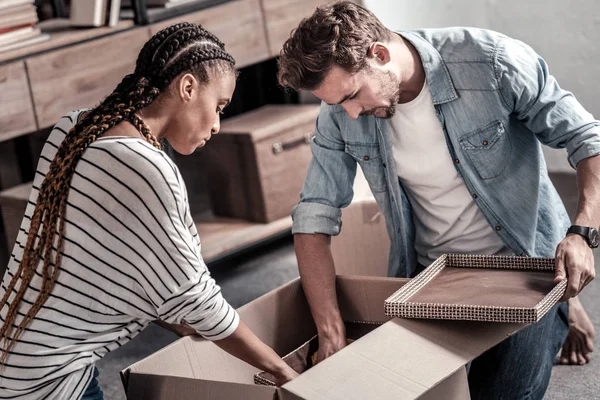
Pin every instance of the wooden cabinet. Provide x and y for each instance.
(259, 160)
(282, 16)
(12, 205)
(81, 75)
(16, 109)
(238, 24)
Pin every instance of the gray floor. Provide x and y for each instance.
(249, 276)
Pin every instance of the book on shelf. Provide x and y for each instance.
(18, 25)
(19, 35)
(114, 12)
(13, 3)
(24, 43)
(163, 3)
(88, 13)
(25, 16)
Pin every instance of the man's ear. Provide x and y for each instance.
(380, 52)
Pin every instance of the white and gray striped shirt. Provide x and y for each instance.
(131, 255)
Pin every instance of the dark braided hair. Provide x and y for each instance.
(181, 48)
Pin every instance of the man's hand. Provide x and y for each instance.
(575, 261)
(331, 341)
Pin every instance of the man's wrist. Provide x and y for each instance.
(332, 329)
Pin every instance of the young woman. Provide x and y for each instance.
(107, 244)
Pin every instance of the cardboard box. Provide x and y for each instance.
(363, 245)
(401, 359)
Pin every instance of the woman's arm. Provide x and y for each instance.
(244, 344)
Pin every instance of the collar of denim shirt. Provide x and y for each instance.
(437, 74)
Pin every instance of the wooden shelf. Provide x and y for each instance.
(222, 237)
(63, 34)
(77, 67)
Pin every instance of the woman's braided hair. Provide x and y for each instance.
(181, 48)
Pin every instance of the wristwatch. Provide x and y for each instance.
(590, 234)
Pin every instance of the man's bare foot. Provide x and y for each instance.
(579, 344)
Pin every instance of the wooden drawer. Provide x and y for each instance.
(16, 109)
(81, 75)
(282, 16)
(238, 24)
(257, 164)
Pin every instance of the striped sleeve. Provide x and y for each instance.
(194, 296)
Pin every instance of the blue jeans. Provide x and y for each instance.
(93, 391)
(519, 368)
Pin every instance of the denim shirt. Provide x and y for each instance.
(497, 103)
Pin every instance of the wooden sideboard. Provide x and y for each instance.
(79, 67)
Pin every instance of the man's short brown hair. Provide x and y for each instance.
(336, 34)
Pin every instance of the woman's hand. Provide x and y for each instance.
(284, 375)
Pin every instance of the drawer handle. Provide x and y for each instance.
(280, 147)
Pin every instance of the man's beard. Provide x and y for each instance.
(389, 83)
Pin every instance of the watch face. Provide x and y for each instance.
(594, 237)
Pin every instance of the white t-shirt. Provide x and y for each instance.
(447, 220)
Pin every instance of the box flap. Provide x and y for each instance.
(281, 318)
(361, 298)
(363, 245)
(401, 359)
(455, 387)
(156, 387)
(268, 120)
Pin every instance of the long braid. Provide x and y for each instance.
(175, 50)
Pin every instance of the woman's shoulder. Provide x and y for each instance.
(135, 157)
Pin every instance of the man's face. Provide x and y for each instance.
(371, 91)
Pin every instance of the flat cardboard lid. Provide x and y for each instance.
(266, 121)
(402, 359)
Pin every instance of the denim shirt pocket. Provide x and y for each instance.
(367, 155)
(488, 149)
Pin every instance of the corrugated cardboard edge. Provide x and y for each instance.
(431, 351)
(399, 304)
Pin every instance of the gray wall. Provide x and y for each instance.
(564, 33)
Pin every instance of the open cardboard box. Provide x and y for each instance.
(363, 245)
(401, 359)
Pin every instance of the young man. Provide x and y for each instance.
(446, 125)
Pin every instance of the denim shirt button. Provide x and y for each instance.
(498, 227)
(457, 161)
(366, 158)
(474, 195)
